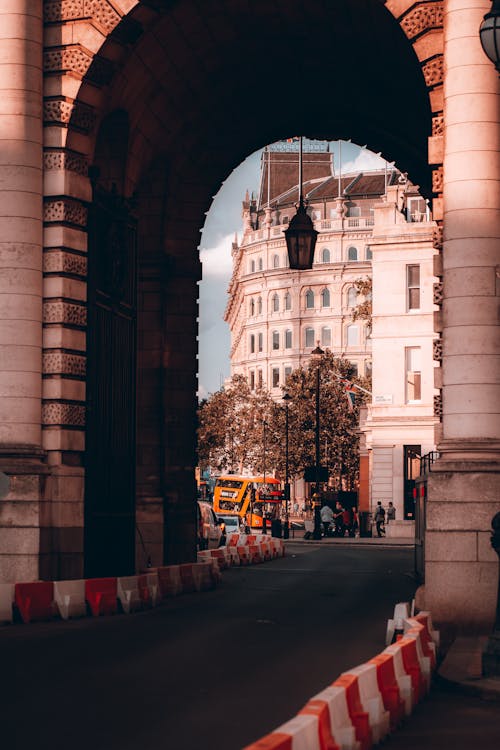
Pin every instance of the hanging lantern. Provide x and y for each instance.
(301, 240)
(489, 34)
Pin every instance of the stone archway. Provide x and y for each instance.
(151, 59)
(203, 88)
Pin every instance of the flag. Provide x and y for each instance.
(350, 394)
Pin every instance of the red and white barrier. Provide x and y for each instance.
(101, 595)
(35, 601)
(70, 598)
(128, 594)
(367, 702)
(371, 700)
(6, 602)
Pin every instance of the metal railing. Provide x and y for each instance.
(427, 461)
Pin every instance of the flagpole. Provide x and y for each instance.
(268, 175)
(340, 166)
(300, 170)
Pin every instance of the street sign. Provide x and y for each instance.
(4, 485)
(315, 474)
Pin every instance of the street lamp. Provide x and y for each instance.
(491, 653)
(264, 425)
(301, 235)
(317, 354)
(489, 34)
(286, 531)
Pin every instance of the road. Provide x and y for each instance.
(217, 669)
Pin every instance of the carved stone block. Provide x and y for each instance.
(421, 18)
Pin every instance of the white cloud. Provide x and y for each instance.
(366, 161)
(216, 260)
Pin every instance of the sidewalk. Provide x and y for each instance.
(461, 669)
(356, 541)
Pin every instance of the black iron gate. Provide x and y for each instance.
(111, 375)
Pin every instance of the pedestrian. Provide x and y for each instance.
(326, 514)
(338, 517)
(347, 521)
(354, 528)
(296, 508)
(391, 512)
(380, 519)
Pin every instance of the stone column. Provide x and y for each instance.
(463, 488)
(21, 223)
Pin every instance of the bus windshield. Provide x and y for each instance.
(248, 497)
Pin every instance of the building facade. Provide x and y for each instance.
(119, 119)
(373, 226)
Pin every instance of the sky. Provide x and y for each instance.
(222, 222)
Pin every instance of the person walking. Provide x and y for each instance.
(326, 514)
(380, 519)
(338, 517)
(391, 512)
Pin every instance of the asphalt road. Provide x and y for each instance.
(214, 670)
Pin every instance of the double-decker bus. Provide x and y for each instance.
(251, 498)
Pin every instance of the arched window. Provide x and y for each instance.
(368, 253)
(275, 303)
(259, 306)
(326, 336)
(252, 343)
(276, 340)
(325, 255)
(276, 261)
(252, 266)
(352, 297)
(288, 339)
(310, 337)
(352, 335)
(260, 264)
(252, 306)
(310, 299)
(261, 341)
(288, 301)
(325, 298)
(352, 253)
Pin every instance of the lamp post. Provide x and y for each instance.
(264, 425)
(316, 354)
(491, 653)
(286, 531)
(489, 34)
(300, 235)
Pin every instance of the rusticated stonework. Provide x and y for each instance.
(70, 10)
(57, 362)
(437, 238)
(421, 18)
(71, 58)
(62, 261)
(68, 415)
(438, 406)
(437, 180)
(65, 160)
(66, 210)
(65, 313)
(438, 125)
(433, 71)
(437, 350)
(62, 112)
(437, 293)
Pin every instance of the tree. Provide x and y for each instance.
(231, 428)
(363, 310)
(231, 425)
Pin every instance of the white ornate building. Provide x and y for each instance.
(371, 224)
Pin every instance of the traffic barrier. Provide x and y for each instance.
(426, 638)
(233, 553)
(412, 667)
(169, 581)
(128, 594)
(300, 733)
(423, 660)
(243, 551)
(403, 678)
(342, 730)
(220, 555)
(70, 598)
(395, 626)
(426, 619)
(101, 595)
(35, 601)
(6, 602)
(202, 574)
(187, 577)
(359, 717)
(147, 583)
(371, 700)
(389, 687)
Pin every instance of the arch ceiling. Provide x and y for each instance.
(205, 84)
